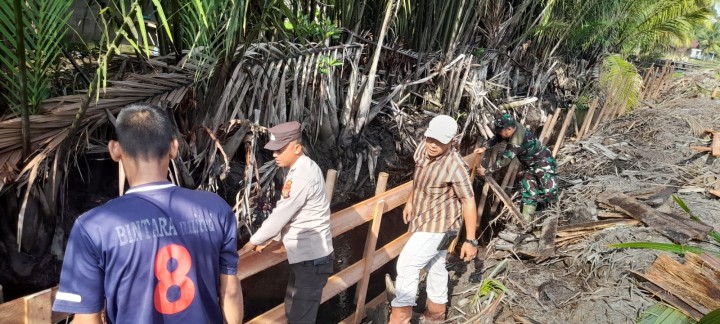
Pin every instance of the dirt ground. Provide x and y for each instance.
(589, 282)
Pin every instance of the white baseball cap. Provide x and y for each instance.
(442, 128)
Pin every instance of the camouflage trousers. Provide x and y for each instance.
(539, 183)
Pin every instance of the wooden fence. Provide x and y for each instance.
(36, 308)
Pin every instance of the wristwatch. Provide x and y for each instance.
(473, 242)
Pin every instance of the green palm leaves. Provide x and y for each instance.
(44, 24)
(620, 80)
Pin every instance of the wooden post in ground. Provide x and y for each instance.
(545, 126)
(512, 169)
(368, 255)
(608, 108)
(330, 183)
(551, 127)
(563, 129)
(645, 82)
(588, 119)
(38, 307)
(659, 86)
(514, 211)
(715, 144)
(381, 183)
(370, 244)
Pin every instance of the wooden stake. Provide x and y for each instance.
(330, 179)
(645, 83)
(545, 126)
(588, 119)
(381, 183)
(368, 256)
(512, 169)
(563, 129)
(514, 211)
(551, 127)
(659, 84)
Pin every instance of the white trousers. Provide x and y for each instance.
(420, 252)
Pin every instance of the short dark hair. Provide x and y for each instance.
(144, 131)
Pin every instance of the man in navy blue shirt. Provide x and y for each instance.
(158, 254)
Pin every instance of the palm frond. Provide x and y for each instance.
(621, 78)
(49, 129)
(45, 24)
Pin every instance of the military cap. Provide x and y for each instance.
(282, 134)
(504, 121)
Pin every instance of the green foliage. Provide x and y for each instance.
(709, 37)
(711, 318)
(44, 26)
(715, 235)
(621, 78)
(316, 30)
(685, 208)
(490, 286)
(583, 101)
(663, 314)
(638, 26)
(327, 62)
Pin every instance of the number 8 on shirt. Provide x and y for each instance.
(177, 277)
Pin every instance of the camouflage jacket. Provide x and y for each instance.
(523, 145)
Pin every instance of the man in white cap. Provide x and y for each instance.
(440, 200)
(302, 218)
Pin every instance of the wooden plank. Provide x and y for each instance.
(13, 312)
(669, 298)
(551, 127)
(381, 185)
(546, 248)
(715, 144)
(714, 192)
(370, 245)
(330, 179)
(563, 130)
(588, 119)
(606, 215)
(368, 256)
(677, 229)
(514, 211)
(693, 282)
(546, 126)
(38, 307)
(341, 280)
(701, 148)
(342, 221)
(511, 171)
(594, 226)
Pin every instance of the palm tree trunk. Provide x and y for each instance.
(24, 109)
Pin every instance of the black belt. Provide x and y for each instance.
(322, 260)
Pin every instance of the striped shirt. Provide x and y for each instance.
(439, 185)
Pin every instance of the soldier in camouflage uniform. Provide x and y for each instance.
(539, 185)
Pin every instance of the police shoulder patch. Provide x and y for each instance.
(286, 189)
